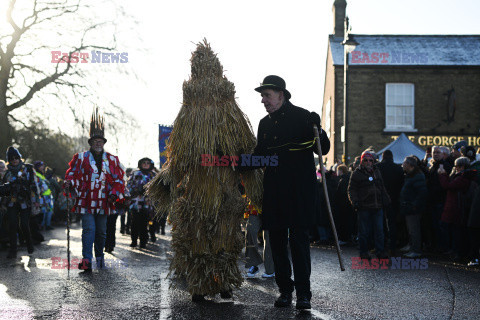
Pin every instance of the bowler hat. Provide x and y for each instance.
(275, 83)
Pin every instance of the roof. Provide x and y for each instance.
(426, 50)
(402, 147)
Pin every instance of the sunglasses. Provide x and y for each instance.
(368, 160)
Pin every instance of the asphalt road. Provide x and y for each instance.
(136, 287)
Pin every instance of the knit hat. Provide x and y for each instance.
(145, 159)
(367, 154)
(12, 152)
(38, 164)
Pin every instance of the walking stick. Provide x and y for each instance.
(325, 192)
(68, 230)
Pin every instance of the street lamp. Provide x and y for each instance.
(349, 45)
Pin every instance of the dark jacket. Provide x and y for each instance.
(22, 180)
(474, 217)
(413, 194)
(290, 194)
(436, 194)
(366, 190)
(458, 182)
(392, 175)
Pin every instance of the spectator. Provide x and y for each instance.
(453, 219)
(474, 230)
(54, 187)
(456, 148)
(345, 219)
(392, 175)
(253, 258)
(412, 203)
(3, 169)
(436, 197)
(22, 178)
(469, 152)
(368, 196)
(45, 198)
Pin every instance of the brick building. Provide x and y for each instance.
(427, 86)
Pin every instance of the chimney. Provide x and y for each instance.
(338, 9)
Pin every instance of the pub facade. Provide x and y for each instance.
(426, 86)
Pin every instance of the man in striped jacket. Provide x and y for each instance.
(97, 178)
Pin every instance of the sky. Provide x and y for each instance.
(253, 39)
(256, 38)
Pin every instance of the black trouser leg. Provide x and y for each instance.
(143, 226)
(111, 228)
(128, 225)
(122, 222)
(13, 215)
(152, 228)
(162, 222)
(135, 222)
(283, 270)
(474, 234)
(300, 250)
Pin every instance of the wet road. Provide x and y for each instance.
(31, 287)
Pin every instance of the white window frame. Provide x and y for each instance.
(391, 107)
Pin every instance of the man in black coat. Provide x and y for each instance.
(393, 177)
(288, 208)
(437, 195)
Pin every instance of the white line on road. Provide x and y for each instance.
(165, 310)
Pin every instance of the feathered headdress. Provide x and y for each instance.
(97, 126)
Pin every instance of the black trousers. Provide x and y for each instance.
(152, 228)
(139, 225)
(300, 251)
(474, 234)
(111, 228)
(14, 214)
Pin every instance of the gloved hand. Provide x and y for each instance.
(356, 206)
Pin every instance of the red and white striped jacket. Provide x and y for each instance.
(93, 187)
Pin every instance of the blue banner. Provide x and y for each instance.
(163, 135)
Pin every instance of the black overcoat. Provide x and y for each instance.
(289, 188)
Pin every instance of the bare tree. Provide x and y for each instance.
(43, 28)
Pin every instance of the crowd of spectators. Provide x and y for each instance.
(428, 206)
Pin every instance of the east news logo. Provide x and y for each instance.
(83, 57)
(395, 263)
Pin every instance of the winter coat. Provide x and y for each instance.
(474, 217)
(393, 176)
(290, 194)
(475, 165)
(437, 194)
(135, 186)
(413, 194)
(23, 181)
(367, 190)
(458, 182)
(93, 186)
(343, 206)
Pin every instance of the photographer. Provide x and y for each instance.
(18, 203)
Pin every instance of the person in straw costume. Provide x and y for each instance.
(204, 201)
